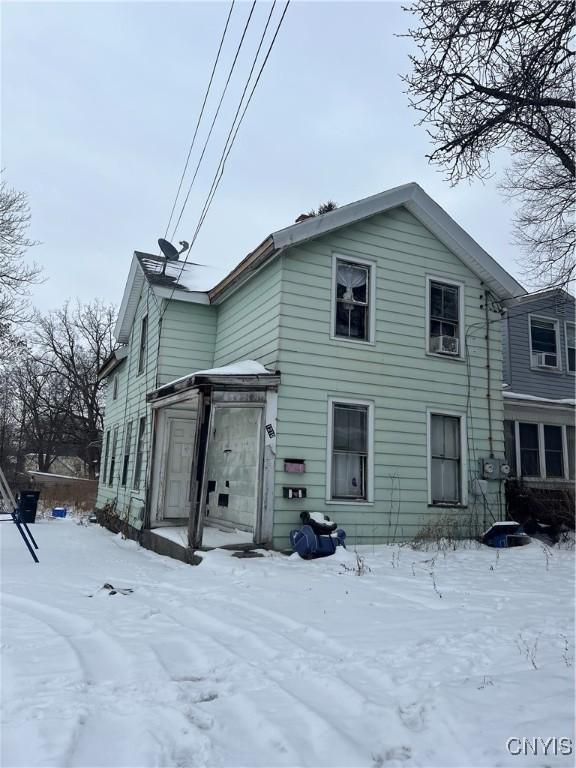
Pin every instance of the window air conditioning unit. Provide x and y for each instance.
(546, 360)
(447, 345)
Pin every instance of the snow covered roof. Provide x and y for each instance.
(516, 396)
(245, 372)
(178, 280)
(177, 275)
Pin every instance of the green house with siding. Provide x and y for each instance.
(350, 365)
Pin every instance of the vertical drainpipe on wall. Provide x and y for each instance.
(488, 375)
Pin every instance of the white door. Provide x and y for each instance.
(233, 467)
(178, 468)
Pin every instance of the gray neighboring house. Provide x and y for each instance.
(539, 376)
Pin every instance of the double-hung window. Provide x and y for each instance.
(529, 450)
(570, 347)
(143, 344)
(104, 466)
(113, 456)
(126, 458)
(540, 450)
(544, 346)
(139, 452)
(444, 322)
(350, 451)
(353, 300)
(445, 466)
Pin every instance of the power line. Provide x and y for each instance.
(224, 158)
(247, 24)
(227, 149)
(200, 116)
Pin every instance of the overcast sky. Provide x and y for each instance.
(99, 104)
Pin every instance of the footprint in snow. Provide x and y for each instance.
(413, 716)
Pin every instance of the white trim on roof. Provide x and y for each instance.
(423, 207)
(181, 294)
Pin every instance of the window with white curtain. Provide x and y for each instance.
(353, 295)
(350, 449)
(445, 459)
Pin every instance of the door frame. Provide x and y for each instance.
(260, 467)
(160, 467)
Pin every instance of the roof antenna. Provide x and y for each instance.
(170, 252)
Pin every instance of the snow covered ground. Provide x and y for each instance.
(424, 660)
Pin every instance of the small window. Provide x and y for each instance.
(352, 311)
(104, 466)
(529, 450)
(143, 343)
(126, 457)
(446, 459)
(570, 347)
(113, 456)
(115, 387)
(139, 452)
(350, 441)
(444, 328)
(553, 451)
(544, 343)
(510, 446)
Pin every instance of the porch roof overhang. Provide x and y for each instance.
(245, 376)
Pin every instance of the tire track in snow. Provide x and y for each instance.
(108, 693)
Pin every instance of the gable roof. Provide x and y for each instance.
(184, 281)
(412, 197)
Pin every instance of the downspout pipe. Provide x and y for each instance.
(488, 375)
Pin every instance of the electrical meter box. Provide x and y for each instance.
(494, 469)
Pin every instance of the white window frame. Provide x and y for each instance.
(463, 456)
(115, 388)
(369, 500)
(336, 257)
(461, 315)
(566, 324)
(558, 368)
(542, 452)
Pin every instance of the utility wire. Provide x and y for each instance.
(227, 148)
(222, 164)
(247, 24)
(200, 117)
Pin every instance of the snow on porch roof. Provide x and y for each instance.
(248, 371)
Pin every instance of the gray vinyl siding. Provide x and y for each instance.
(395, 374)
(523, 379)
(248, 320)
(187, 341)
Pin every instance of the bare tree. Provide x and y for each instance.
(16, 276)
(72, 343)
(45, 410)
(494, 75)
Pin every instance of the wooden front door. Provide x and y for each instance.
(178, 468)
